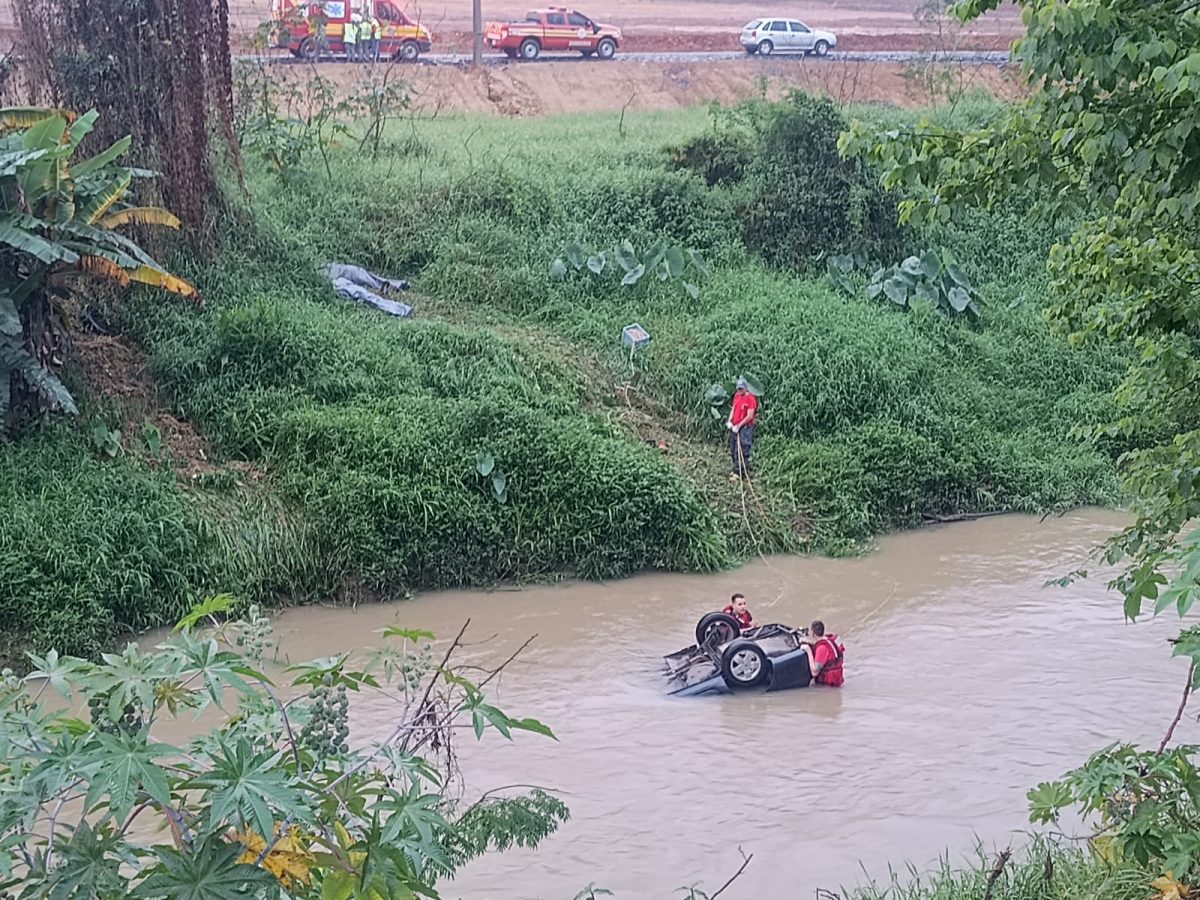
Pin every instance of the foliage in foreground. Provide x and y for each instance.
(1108, 133)
(276, 796)
(1041, 871)
(60, 227)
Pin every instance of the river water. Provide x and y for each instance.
(967, 683)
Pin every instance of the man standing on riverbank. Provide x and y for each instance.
(742, 416)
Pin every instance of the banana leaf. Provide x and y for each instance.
(140, 215)
(27, 241)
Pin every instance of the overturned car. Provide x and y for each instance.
(725, 658)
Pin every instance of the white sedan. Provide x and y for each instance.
(767, 36)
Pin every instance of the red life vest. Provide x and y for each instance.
(743, 618)
(831, 672)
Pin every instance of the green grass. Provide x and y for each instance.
(1040, 872)
(368, 429)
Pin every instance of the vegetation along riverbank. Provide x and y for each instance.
(276, 444)
(331, 450)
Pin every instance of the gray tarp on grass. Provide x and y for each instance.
(356, 283)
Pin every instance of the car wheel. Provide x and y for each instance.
(409, 51)
(821, 48)
(765, 48)
(744, 664)
(308, 49)
(607, 48)
(719, 627)
(530, 49)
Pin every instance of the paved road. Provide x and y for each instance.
(978, 57)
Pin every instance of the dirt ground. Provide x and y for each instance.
(548, 88)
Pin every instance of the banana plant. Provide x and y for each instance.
(60, 221)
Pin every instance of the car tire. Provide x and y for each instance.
(530, 49)
(409, 51)
(717, 620)
(744, 664)
(821, 48)
(308, 49)
(606, 49)
(766, 48)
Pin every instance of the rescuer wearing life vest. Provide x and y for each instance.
(825, 655)
(737, 608)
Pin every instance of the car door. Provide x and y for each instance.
(779, 35)
(802, 36)
(557, 35)
(581, 29)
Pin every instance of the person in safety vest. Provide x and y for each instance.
(737, 609)
(364, 40)
(742, 415)
(825, 655)
(350, 37)
(376, 34)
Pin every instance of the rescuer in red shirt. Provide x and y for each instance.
(737, 609)
(742, 416)
(825, 656)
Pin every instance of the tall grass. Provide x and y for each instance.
(1040, 872)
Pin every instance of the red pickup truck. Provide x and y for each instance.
(551, 29)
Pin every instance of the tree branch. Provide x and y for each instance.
(736, 875)
(1187, 692)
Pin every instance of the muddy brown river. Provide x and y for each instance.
(967, 682)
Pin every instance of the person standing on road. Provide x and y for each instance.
(365, 54)
(350, 38)
(742, 415)
(376, 34)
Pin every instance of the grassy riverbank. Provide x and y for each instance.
(361, 434)
(1041, 872)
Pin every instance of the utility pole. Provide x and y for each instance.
(477, 22)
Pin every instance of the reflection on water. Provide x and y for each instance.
(967, 683)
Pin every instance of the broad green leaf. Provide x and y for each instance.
(675, 262)
(626, 256)
(959, 278)
(100, 160)
(10, 319)
(896, 291)
(634, 275)
(81, 128)
(247, 787)
(931, 265)
(597, 263)
(958, 298)
(697, 260)
(210, 871)
(218, 603)
(125, 770)
(692, 290)
(558, 270)
(575, 255)
(20, 238)
(532, 725)
(912, 266)
(484, 463)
